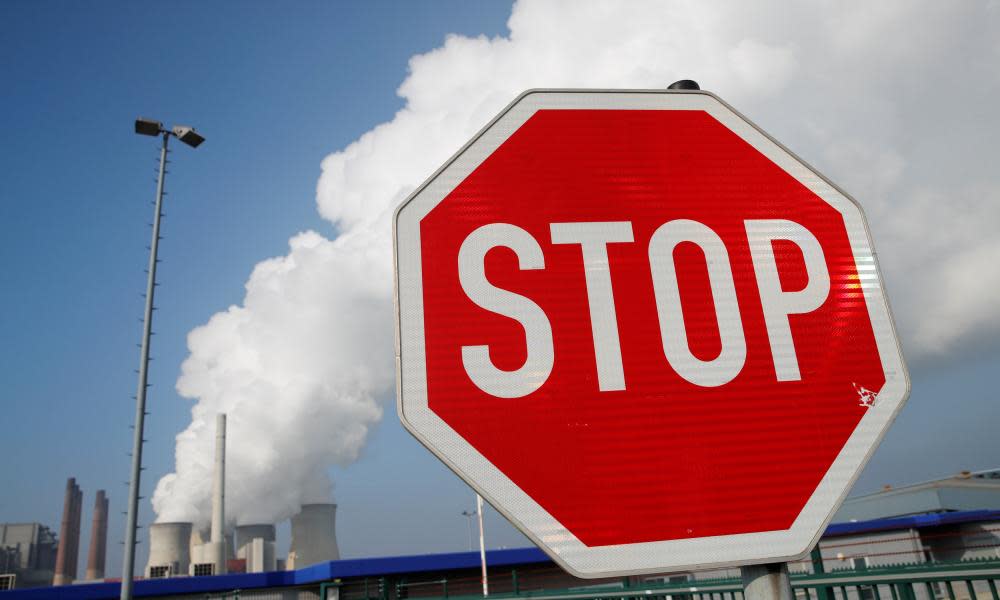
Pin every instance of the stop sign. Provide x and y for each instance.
(644, 331)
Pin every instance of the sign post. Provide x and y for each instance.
(648, 334)
(767, 582)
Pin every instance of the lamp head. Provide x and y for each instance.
(188, 135)
(145, 126)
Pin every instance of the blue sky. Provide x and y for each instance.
(274, 91)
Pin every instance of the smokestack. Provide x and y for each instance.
(69, 535)
(98, 538)
(74, 555)
(169, 549)
(218, 547)
(314, 539)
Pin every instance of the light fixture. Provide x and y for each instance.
(148, 126)
(188, 135)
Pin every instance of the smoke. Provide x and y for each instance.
(297, 369)
(893, 100)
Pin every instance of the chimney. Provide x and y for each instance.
(98, 538)
(69, 535)
(73, 555)
(217, 554)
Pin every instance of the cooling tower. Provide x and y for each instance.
(245, 535)
(314, 538)
(169, 549)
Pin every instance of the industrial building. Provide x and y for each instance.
(942, 520)
(31, 555)
(178, 549)
(27, 555)
(525, 571)
(929, 527)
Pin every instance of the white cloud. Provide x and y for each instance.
(893, 100)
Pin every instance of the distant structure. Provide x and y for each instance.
(27, 554)
(942, 520)
(314, 537)
(965, 491)
(67, 554)
(98, 538)
(218, 547)
(255, 546)
(169, 550)
(201, 551)
(178, 549)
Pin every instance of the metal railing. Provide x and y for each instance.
(966, 580)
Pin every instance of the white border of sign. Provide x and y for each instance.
(511, 501)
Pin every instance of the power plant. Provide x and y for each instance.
(178, 548)
(31, 555)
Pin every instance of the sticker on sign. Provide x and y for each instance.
(644, 331)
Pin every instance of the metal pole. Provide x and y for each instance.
(482, 544)
(824, 592)
(767, 582)
(140, 395)
(468, 523)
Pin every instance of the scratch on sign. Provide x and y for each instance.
(866, 397)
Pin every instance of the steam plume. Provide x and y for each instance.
(879, 96)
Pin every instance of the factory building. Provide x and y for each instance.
(31, 555)
(179, 549)
(27, 555)
(943, 520)
(255, 548)
(937, 522)
(521, 574)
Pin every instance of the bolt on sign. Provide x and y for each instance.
(651, 336)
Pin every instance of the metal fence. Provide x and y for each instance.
(967, 580)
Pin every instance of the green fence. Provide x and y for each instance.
(967, 580)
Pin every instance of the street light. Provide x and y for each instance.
(187, 135)
(148, 126)
(191, 138)
(482, 539)
(468, 521)
(482, 545)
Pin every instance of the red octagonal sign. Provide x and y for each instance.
(647, 333)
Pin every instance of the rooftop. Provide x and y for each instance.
(966, 491)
